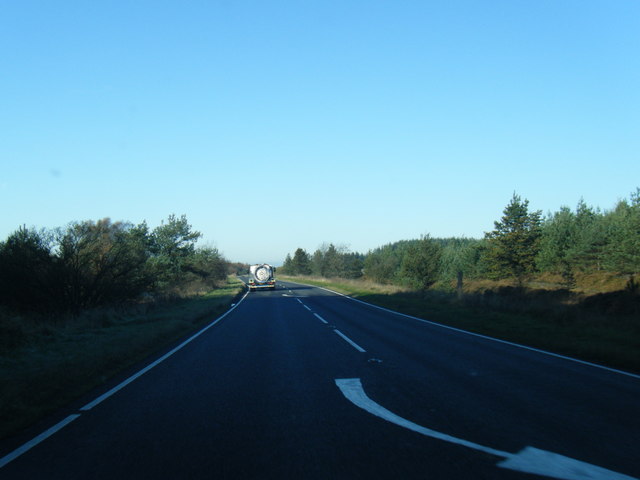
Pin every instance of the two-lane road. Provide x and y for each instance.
(303, 383)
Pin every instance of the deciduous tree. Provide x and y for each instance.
(28, 270)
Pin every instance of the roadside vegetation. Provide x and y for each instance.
(91, 264)
(54, 360)
(82, 303)
(566, 282)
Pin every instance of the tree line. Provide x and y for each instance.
(327, 261)
(88, 264)
(522, 243)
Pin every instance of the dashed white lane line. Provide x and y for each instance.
(350, 342)
(505, 342)
(347, 339)
(321, 319)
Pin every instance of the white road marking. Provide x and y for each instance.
(35, 441)
(352, 389)
(133, 377)
(544, 352)
(321, 319)
(306, 307)
(529, 460)
(351, 342)
(299, 301)
(549, 464)
(43, 436)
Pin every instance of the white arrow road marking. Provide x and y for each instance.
(549, 464)
(529, 460)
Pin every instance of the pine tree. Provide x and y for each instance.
(558, 243)
(515, 242)
(332, 265)
(301, 263)
(287, 267)
(422, 263)
(623, 249)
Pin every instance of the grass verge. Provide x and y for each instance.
(47, 363)
(578, 329)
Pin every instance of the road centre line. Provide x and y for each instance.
(350, 342)
(347, 339)
(37, 440)
(441, 325)
(321, 319)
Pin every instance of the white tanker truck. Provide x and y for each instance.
(262, 276)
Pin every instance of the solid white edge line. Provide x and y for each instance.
(479, 335)
(133, 377)
(35, 441)
(351, 342)
(46, 434)
(321, 319)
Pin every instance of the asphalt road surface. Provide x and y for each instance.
(303, 383)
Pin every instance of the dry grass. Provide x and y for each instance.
(346, 285)
(585, 283)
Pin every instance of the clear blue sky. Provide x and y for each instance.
(281, 124)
